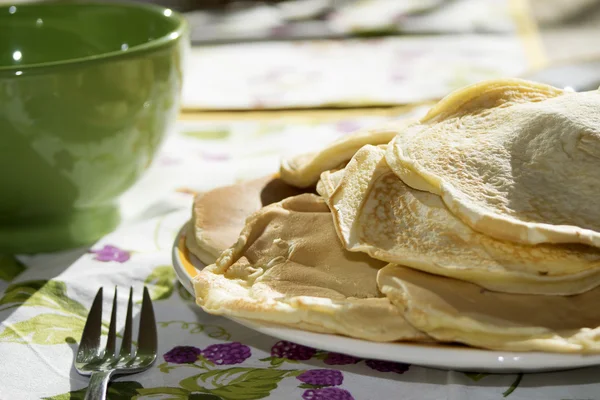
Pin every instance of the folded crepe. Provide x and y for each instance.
(218, 216)
(328, 182)
(288, 267)
(513, 159)
(304, 170)
(450, 310)
(376, 213)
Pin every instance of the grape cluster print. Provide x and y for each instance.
(219, 354)
(322, 377)
(292, 351)
(182, 355)
(227, 353)
(328, 393)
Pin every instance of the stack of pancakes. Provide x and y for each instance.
(477, 224)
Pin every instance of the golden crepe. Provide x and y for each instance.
(304, 170)
(218, 216)
(288, 267)
(475, 225)
(375, 212)
(329, 181)
(450, 310)
(513, 159)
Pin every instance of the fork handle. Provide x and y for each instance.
(98, 385)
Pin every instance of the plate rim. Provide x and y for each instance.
(419, 354)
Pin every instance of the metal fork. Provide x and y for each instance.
(104, 364)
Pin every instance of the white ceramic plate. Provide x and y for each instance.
(452, 357)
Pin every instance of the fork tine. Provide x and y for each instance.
(90, 338)
(126, 343)
(112, 329)
(147, 337)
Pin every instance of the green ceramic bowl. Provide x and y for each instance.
(87, 93)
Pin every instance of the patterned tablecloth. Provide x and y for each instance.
(320, 19)
(44, 300)
(360, 72)
(370, 71)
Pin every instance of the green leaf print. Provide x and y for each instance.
(269, 128)
(165, 368)
(10, 267)
(211, 134)
(203, 396)
(475, 376)
(45, 329)
(183, 293)
(19, 293)
(173, 393)
(309, 386)
(161, 282)
(41, 293)
(513, 386)
(238, 383)
(277, 362)
(164, 393)
(126, 390)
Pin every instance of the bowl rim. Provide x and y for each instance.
(154, 44)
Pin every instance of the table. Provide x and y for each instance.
(44, 298)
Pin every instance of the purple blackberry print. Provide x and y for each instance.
(330, 393)
(182, 355)
(292, 351)
(340, 359)
(227, 353)
(322, 377)
(387, 366)
(111, 253)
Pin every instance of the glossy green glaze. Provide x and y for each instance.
(87, 93)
